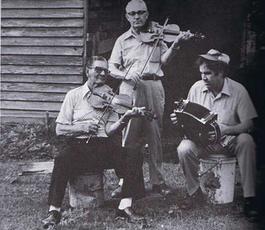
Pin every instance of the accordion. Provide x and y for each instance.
(196, 121)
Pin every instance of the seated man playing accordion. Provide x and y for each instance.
(235, 113)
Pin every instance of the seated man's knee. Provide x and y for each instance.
(63, 158)
(245, 140)
(185, 148)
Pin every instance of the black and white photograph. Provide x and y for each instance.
(132, 114)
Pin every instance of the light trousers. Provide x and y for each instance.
(142, 131)
(245, 152)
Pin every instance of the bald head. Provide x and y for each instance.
(136, 5)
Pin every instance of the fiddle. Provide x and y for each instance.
(117, 103)
(167, 33)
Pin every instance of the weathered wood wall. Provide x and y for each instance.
(42, 56)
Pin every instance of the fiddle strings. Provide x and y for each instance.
(109, 103)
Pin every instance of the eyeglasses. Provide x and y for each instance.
(133, 13)
(100, 69)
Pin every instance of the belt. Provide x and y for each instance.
(84, 140)
(152, 77)
(79, 140)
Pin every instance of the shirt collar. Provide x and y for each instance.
(85, 90)
(225, 90)
(128, 34)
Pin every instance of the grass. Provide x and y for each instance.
(23, 199)
(23, 205)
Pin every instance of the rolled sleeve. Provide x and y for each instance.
(116, 55)
(65, 115)
(246, 109)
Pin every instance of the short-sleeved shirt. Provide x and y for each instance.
(77, 109)
(130, 51)
(232, 105)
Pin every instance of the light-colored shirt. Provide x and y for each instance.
(232, 105)
(128, 50)
(77, 109)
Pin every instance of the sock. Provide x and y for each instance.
(125, 203)
(121, 182)
(54, 208)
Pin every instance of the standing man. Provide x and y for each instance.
(143, 84)
(79, 120)
(235, 111)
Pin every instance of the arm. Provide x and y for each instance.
(244, 127)
(133, 77)
(246, 113)
(115, 62)
(76, 129)
(114, 127)
(171, 52)
(115, 72)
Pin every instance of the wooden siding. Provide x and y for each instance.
(41, 56)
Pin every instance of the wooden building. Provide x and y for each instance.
(45, 45)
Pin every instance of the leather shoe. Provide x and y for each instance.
(129, 215)
(250, 210)
(190, 201)
(163, 189)
(52, 219)
(117, 192)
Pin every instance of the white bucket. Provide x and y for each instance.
(219, 182)
(86, 191)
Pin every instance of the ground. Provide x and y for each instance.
(23, 197)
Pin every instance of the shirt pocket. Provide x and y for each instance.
(155, 58)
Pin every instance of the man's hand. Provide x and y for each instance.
(135, 112)
(134, 78)
(91, 127)
(174, 119)
(224, 129)
(182, 37)
(212, 136)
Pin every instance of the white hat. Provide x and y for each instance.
(215, 55)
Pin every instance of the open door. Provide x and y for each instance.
(104, 23)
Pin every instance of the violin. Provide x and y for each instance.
(117, 103)
(167, 33)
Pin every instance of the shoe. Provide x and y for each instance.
(129, 215)
(250, 210)
(53, 219)
(162, 189)
(117, 192)
(190, 201)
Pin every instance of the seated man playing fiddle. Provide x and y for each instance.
(235, 113)
(89, 144)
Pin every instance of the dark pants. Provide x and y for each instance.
(76, 157)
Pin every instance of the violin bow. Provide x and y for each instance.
(153, 49)
(109, 103)
(146, 62)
